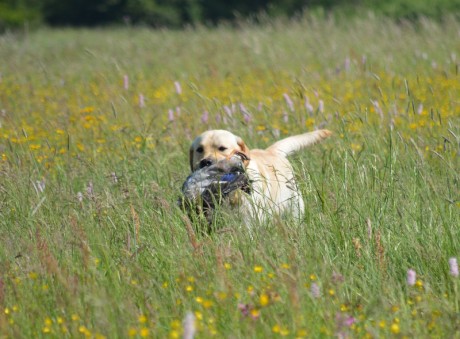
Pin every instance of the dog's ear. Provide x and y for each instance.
(191, 158)
(242, 145)
(244, 149)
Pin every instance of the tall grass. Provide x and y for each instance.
(93, 243)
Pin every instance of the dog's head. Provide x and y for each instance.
(215, 145)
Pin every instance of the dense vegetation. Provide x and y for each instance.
(177, 13)
(95, 127)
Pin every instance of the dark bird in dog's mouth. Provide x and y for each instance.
(210, 186)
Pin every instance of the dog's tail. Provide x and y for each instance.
(295, 143)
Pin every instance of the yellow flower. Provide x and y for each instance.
(227, 266)
(144, 332)
(132, 332)
(7, 311)
(382, 324)
(74, 317)
(313, 277)
(34, 147)
(199, 315)
(48, 322)
(394, 328)
(276, 328)
(189, 288)
(46, 329)
(255, 313)
(207, 304)
(142, 319)
(258, 269)
(331, 292)
(199, 300)
(285, 266)
(264, 300)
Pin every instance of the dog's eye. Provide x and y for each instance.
(222, 148)
(199, 149)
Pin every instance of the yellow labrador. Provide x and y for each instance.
(274, 189)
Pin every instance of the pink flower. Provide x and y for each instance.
(141, 101)
(321, 106)
(453, 267)
(288, 102)
(244, 309)
(308, 106)
(411, 277)
(178, 87)
(205, 117)
(315, 291)
(285, 117)
(171, 115)
(125, 81)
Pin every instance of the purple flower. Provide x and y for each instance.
(171, 115)
(321, 106)
(178, 87)
(205, 117)
(347, 64)
(308, 106)
(244, 309)
(285, 117)
(125, 81)
(141, 101)
(288, 102)
(411, 277)
(315, 291)
(453, 267)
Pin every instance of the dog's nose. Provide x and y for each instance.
(205, 163)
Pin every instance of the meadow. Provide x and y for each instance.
(95, 129)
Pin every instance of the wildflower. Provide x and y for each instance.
(321, 106)
(420, 109)
(289, 102)
(411, 277)
(170, 115)
(132, 332)
(189, 326)
(285, 117)
(394, 328)
(142, 319)
(255, 313)
(337, 278)
(308, 106)
(80, 197)
(264, 300)
(144, 332)
(315, 291)
(258, 269)
(125, 82)
(227, 266)
(178, 87)
(244, 309)
(347, 64)
(205, 117)
(453, 267)
(141, 101)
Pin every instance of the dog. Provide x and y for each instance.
(274, 189)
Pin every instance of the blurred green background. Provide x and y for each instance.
(179, 13)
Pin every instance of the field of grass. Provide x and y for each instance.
(95, 127)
